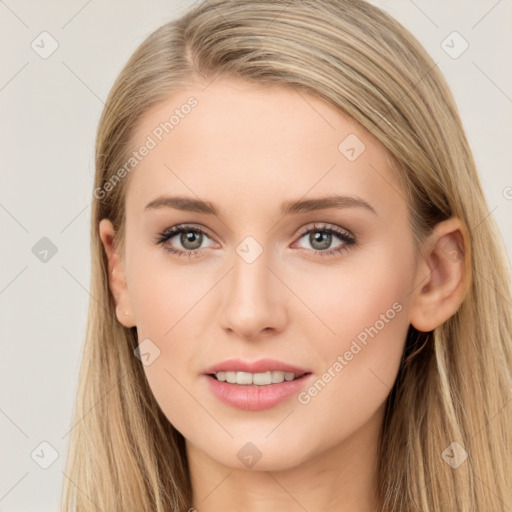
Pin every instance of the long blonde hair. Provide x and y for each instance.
(454, 384)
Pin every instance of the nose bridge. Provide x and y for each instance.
(252, 303)
(250, 273)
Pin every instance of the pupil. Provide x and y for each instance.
(323, 238)
(188, 238)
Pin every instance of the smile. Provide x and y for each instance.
(245, 392)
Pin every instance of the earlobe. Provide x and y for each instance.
(442, 278)
(116, 273)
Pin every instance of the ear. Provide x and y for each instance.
(442, 276)
(117, 276)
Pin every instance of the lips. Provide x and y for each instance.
(260, 366)
(256, 397)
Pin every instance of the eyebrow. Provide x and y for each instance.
(190, 204)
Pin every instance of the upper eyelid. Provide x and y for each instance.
(185, 227)
(319, 226)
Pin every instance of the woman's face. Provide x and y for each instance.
(280, 272)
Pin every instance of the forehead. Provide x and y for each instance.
(245, 144)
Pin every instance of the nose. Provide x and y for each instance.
(254, 299)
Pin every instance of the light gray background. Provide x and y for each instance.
(49, 110)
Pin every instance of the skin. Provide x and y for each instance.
(247, 149)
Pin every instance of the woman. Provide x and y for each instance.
(299, 300)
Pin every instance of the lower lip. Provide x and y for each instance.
(256, 398)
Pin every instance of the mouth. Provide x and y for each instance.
(256, 391)
(256, 385)
(257, 379)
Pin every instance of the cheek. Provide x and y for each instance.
(167, 301)
(164, 295)
(367, 308)
(364, 297)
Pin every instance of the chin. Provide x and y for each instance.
(262, 455)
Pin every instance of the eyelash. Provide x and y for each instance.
(343, 235)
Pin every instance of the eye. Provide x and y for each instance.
(320, 238)
(190, 238)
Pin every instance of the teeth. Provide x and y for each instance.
(231, 377)
(259, 379)
(262, 379)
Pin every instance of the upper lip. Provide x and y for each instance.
(260, 366)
